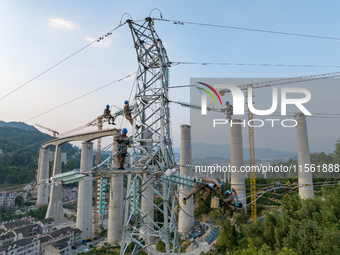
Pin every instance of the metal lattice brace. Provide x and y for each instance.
(97, 213)
(137, 219)
(151, 148)
(252, 164)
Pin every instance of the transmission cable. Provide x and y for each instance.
(72, 131)
(97, 40)
(24, 148)
(247, 29)
(42, 141)
(79, 97)
(247, 64)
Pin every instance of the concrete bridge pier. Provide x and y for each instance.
(55, 207)
(115, 219)
(303, 157)
(147, 201)
(185, 222)
(116, 207)
(85, 189)
(43, 175)
(237, 177)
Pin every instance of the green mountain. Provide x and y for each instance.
(20, 144)
(20, 125)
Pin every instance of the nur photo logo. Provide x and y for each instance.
(239, 103)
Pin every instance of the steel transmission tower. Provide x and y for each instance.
(146, 222)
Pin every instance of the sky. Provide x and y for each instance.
(36, 35)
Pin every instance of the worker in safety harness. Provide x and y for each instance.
(231, 202)
(127, 112)
(229, 110)
(107, 114)
(208, 186)
(123, 143)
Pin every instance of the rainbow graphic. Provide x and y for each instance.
(209, 93)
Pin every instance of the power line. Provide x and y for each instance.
(80, 97)
(24, 148)
(42, 141)
(292, 114)
(248, 29)
(181, 86)
(247, 64)
(73, 130)
(312, 116)
(97, 40)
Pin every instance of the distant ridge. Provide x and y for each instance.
(202, 150)
(20, 125)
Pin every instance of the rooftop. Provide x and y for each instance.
(77, 231)
(61, 231)
(44, 239)
(9, 234)
(16, 224)
(60, 244)
(27, 231)
(48, 220)
(19, 243)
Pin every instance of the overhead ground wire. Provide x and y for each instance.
(119, 80)
(250, 64)
(42, 141)
(247, 29)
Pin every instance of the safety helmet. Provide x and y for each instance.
(227, 102)
(228, 192)
(221, 184)
(107, 106)
(126, 101)
(124, 131)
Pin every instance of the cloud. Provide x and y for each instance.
(104, 43)
(61, 23)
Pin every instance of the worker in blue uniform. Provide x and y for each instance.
(107, 114)
(122, 144)
(231, 202)
(229, 110)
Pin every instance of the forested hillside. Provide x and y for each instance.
(310, 226)
(318, 161)
(19, 161)
(20, 125)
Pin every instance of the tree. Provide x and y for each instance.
(336, 155)
(38, 214)
(310, 226)
(228, 238)
(18, 166)
(19, 201)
